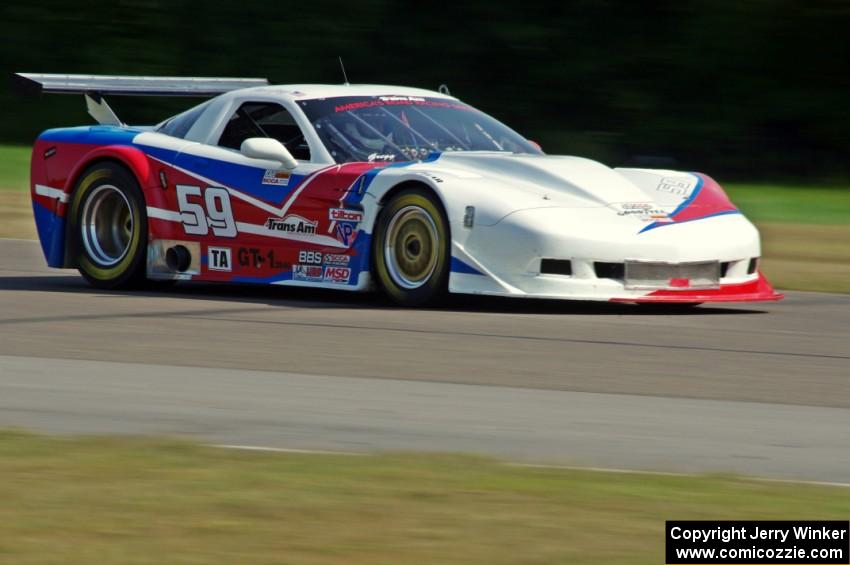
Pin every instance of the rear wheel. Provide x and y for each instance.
(411, 248)
(108, 227)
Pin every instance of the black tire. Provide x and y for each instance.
(411, 248)
(108, 228)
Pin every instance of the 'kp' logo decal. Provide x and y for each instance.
(345, 232)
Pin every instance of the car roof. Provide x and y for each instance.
(314, 91)
(216, 110)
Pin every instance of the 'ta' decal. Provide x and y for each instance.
(219, 258)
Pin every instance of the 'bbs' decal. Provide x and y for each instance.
(310, 257)
(197, 219)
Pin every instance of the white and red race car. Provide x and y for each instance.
(353, 187)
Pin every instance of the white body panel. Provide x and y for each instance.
(526, 208)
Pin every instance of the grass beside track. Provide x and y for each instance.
(792, 204)
(161, 501)
(805, 229)
(16, 219)
(14, 168)
(807, 256)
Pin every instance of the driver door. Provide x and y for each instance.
(250, 211)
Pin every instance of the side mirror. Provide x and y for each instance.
(270, 150)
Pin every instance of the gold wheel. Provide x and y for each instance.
(411, 248)
(108, 227)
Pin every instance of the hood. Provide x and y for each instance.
(543, 180)
(499, 184)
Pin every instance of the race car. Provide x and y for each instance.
(354, 187)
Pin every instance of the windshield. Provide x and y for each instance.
(406, 128)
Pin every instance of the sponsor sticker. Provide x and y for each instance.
(310, 257)
(219, 259)
(345, 233)
(292, 224)
(678, 186)
(644, 211)
(257, 258)
(343, 215)
(346, 222)
(337, 275)
(309, 273)
(381, 157)
(276, 178)
(401, 99)
(337, 259)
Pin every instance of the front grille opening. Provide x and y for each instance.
(754, 264)
(556, 267)
(724, 268)
(609, 270)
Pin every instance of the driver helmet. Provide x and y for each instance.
(365, 136)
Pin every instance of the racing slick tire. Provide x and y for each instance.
(108, 228)
(411, 248)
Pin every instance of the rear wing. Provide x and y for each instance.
(105, 85)
(95, 87)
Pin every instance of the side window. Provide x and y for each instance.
(264, 119)
(179, 125)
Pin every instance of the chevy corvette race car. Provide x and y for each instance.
(353, 187)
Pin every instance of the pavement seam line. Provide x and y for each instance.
(609, 470)
(526, 338)
(287, 450)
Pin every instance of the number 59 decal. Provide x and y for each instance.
(217, 215)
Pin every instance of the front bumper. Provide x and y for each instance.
(506, 258)
(757, 290)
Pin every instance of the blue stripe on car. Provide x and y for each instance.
(51, 234)
(462, 268)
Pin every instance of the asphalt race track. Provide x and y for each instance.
(758, 389)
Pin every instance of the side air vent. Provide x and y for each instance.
(724, 268)
(556, 267)
(753, 265)
(609, 270)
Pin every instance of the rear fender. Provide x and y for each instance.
(51, 213)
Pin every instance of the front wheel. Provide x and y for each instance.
(108, 227)
(411, 248)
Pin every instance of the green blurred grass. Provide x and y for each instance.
(14, 167)
(797, 204)
(162, 501)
